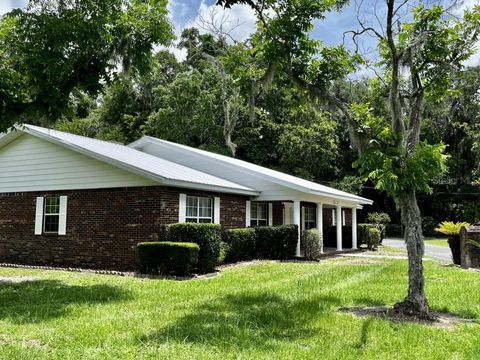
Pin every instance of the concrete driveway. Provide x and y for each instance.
(441, 253)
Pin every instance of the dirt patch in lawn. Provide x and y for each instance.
(362, 261)
(439, 320)
(17, 279)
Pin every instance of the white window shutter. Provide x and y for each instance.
(39, 216)
(216, 210)
(270, 214)
(248, 209)
(182, 208)
(62, 222)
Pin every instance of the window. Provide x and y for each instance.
(344, 221)
(334, 217)
(199, 209)
(52, 214)
(259, 214)
(310, 218)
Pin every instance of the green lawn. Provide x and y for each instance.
(267, 310)
(437, 242)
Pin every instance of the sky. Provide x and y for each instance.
(187, 13)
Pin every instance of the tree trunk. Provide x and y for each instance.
(415, 304)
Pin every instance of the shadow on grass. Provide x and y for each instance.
(248, 321)
(41, 300)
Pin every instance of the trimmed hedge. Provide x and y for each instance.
(311, 242)
(373, 238)
(363, 232)
(276, 242)
(167, 257)
(240, 244)
(207, 236)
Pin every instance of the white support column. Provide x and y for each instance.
(354, 228)
(320, 224)
(296, 221)
(339, 228)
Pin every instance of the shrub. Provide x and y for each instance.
(313, 244)
(241, 244)
(167, 257)
(373, 238)
(207, 236)
(380, 220)
(223, 253)
(363, 233)
(276, 242)
(453, 231)
(450, 228)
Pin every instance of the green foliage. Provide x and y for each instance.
(167, 257)
(248, 312)
(313, 244)
(474, 243)
(392, 168)
(52, 48)
(241, 244)
(450, 227)
(363, 232)
(380, 220)
(207, 236)
(276, 242)
(350, 184)
(373, 238)
(394, 230)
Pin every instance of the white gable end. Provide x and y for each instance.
(32, 164)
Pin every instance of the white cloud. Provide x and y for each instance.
(239, 21)
(9, 5)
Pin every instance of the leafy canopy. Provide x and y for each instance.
(51, 48)
(389, 166)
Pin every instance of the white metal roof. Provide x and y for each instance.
(260, 171)
(164, 171)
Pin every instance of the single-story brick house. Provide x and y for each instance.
(68, 200)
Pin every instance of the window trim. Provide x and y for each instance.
(45, 214)
(254, 221)
(197, 218)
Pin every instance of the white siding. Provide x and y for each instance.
(33, 164)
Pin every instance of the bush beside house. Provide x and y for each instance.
(265, 242)
(276, 242)
(207, 236)
(240, 244)
(176, 254)
(312, 240)
(167, 257)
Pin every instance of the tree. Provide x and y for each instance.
(431, 47)
(53, 47)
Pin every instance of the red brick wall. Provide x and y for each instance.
(103, 226)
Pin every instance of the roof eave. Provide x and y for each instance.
(135, 169)
(359, 200)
